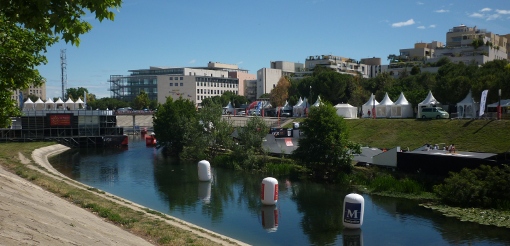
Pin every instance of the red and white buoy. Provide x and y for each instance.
(269, 191)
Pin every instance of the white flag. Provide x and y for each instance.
(482, 102)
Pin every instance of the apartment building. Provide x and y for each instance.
(35, 91)
(340, 64)
(459, 47)
(194, 83)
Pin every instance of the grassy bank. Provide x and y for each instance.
(467, 135)
(146, 223)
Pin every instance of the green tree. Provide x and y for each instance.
(324, 147)
(20, 52)
(27, 28)
(280, 93)
(76, 93)
(171, 123)
(141, 101)
(106, 102)
(248, 152)
(209, 135)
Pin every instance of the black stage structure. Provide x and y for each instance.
(73, 128)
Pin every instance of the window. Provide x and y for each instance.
(171, 84)
(171, 78)
(182, 78)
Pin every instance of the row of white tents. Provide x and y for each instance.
(51, 105)
(387, 108)
(467, 108)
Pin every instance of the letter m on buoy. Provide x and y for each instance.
(352, 213)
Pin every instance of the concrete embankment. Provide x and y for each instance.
(40, 156)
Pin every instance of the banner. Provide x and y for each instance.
(482, 102)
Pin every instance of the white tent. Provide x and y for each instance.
(318, 102)
(286, 106)
(69, 104)
(383, 109)
(429, 101)
(401, 108)
(39, 104)
(346, 110)
(367, 107)
(78, 103)
(504, 103)
(49, 104)
(299, 108)
(467, 107)
(229, 109)
(59, 103)
(28, 105)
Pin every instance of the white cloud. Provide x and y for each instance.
(442, 11)
(421, 27)
(503, 12)
(485, 10)
(405, 23)
(241, 62)
(419, 3)
(476, 15)
(192, 61)
(432, 26)
(492, 17)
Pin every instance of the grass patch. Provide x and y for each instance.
(467, 135)
(500, 218)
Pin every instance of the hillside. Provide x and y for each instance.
(467, 135)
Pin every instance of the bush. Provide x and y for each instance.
(486, 187)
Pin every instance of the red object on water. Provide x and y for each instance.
(125, 141)
(150, 140)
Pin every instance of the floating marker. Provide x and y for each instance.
(354, 209)
(204, 171)
(269, 191)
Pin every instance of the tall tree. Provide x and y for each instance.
(324, 147)
(171, 123)
(209, 135)
(27, 28)
(280, 93)
(141, 101)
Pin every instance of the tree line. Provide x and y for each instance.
(449, 85)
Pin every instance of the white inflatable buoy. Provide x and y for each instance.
(354, 209)
(204, 171)
(269, 191)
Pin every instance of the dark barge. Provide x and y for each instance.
(74, 128)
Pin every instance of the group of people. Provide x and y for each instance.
(450, 148)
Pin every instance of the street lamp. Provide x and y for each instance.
(499, 105)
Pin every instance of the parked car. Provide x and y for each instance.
(286, 114)
(434, 113)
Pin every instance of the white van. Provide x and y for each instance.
(434, 113)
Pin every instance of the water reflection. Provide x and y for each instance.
(305, 214)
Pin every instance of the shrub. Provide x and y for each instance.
(486, 186)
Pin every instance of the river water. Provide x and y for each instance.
(305, 214)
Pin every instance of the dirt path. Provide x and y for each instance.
(30, 215)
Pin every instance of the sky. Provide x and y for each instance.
(251, 34)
